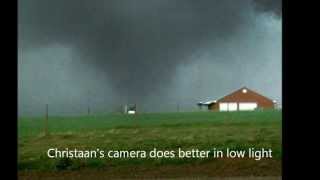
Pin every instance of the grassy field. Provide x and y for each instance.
(164, 131)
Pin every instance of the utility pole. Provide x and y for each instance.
(46, 120)
(88, 101)
(178, 107)
(135, 108)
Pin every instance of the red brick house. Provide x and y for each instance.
(242, 99)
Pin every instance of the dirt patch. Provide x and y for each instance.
(225, 169)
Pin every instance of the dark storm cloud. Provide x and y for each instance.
(269, 6)
(136, 46)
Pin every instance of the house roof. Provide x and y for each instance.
(241, 89)
(207, 102)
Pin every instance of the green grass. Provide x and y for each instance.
(164, 131)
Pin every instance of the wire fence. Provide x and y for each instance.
(99, 109)
(75, 110)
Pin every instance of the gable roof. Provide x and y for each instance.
(234, 92)
(248, 91)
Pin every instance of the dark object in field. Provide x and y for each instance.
(131, 109)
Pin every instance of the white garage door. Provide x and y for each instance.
(247, 106)
(228, 106)
(223, 106)
(232, 106)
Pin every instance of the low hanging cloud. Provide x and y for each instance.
(269, 6)
(136, 47)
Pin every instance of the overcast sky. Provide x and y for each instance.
(155, 53)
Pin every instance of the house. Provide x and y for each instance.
(242, 99)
